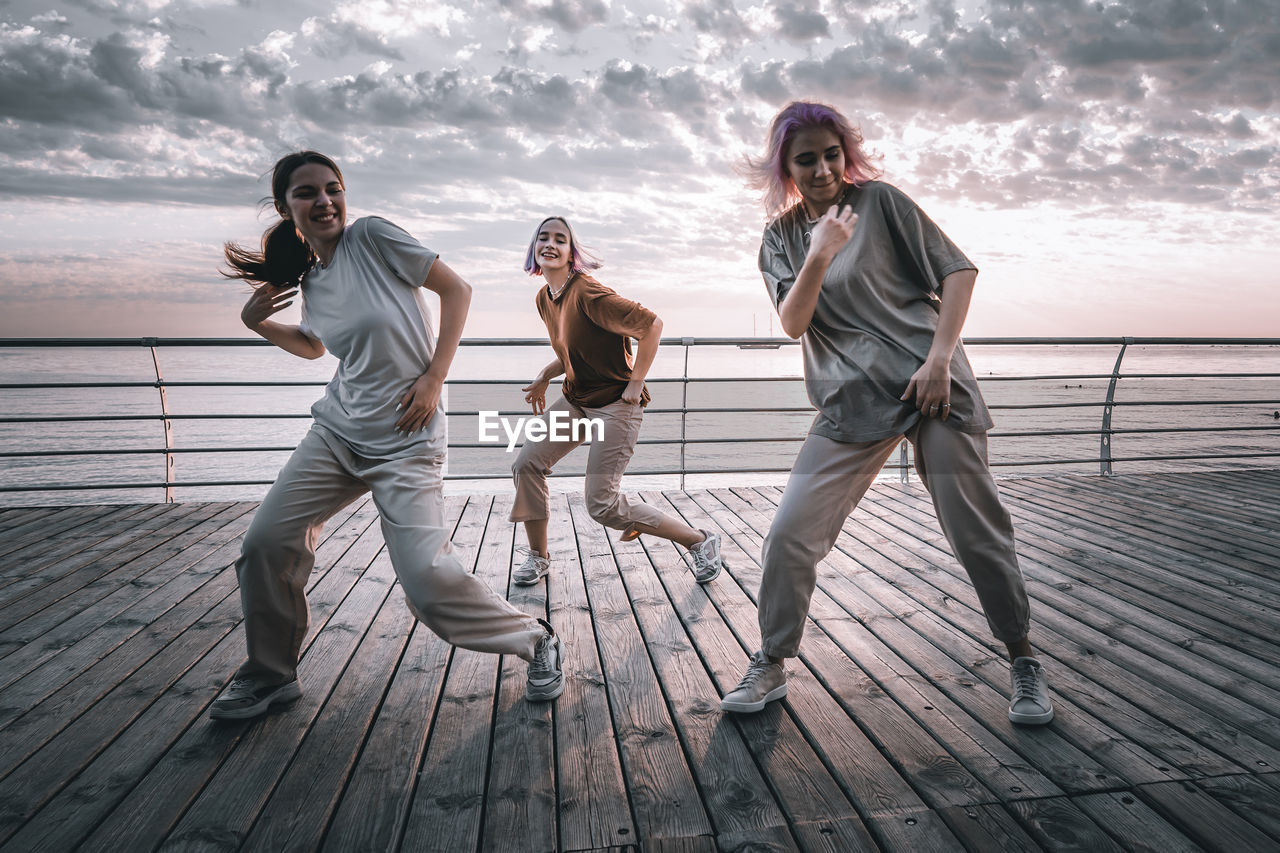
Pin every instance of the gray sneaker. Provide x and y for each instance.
(707, 561)
(764, 682)
(1030, 704)
(533, 569)
(546, 672)
(249, 697)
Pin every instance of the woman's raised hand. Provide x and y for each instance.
(537, 396)
(266, 299)
(833, 230)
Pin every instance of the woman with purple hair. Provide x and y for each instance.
(591, 327)
(878, 294)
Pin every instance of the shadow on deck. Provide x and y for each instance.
(1156, 606)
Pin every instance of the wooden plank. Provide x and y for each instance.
(1254, 798)
(1105, 663)
(181, 777)
(237, 791)
(594, 810)
(1205, 820)
(446, 810)
(60, 526)
(14, 517)
(150, 543)
(127, 681)
(79, 642)
(666, 802)
(988, 828)
(1171, 545)
(1134, 824)
(921, 832)
(892, 728)
(680, 627)
(956, 665)
(1058, 824)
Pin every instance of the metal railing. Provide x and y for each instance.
(1108, 403)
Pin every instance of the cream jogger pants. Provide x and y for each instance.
(322, 476)
(606, 462)
(826, 483)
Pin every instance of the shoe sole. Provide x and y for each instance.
(752, 707)
(288, 694)
(525, 582)
(542, 694)
(1031, 719)
(723, 566)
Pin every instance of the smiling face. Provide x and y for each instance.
(815, 163)
(315, 201)
(553, 247)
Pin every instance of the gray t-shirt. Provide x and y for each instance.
(876, 316)
(368, 309)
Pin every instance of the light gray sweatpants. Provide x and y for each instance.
(606, 461)
(321, 477)
(826, 483)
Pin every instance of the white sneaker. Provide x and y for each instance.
(764, 682)
(707, 561)
(1030, 704)
(546, 670)
(533, 569)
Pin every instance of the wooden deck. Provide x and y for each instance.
(1156, 604)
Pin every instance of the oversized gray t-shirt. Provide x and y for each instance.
(368, 309)
(876, 316)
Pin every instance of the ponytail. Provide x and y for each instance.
(284, 258)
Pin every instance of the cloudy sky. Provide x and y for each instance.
(1111, 167)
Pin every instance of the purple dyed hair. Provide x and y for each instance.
(769, 173)
(580, 260)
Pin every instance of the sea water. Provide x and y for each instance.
(264, 423)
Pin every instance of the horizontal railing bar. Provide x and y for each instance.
(126, 451)
(542, 342)
(664, 472)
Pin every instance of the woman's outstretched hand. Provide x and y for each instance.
(266, 299)
(418, 405)
(931, 386)
(537, 395)
(833, 230)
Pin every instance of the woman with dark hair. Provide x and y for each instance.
(591, 327)
(879, 294)
(379, 427)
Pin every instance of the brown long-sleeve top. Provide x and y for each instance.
(591, 327)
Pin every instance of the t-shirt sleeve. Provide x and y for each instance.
(931, 251)
(615, 313)
(408, 260)
(775, 266)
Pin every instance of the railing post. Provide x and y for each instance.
(1104, 452)
(687, 343)
(904, 473)
(152, 343)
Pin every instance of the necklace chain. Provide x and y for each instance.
(556, 293)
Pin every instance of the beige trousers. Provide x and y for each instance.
(322, 476)
(826, 483)
(606, 462)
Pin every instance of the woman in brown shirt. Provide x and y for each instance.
(591, 327)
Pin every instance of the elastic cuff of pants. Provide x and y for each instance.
(1020, 638)
(775, 653)
(522, 519)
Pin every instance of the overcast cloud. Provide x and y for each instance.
(468, 120)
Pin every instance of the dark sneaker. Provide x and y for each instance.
(249, 697)
(533, 569)
(1030, 704)
(707, 561)
(764, 682)
(546, 672)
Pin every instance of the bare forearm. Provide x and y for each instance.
(551, 371)
(289, 338)
(957, 292)
(455, 302)
(646, 351)
(796, 310)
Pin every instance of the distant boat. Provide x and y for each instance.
(754, 332)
